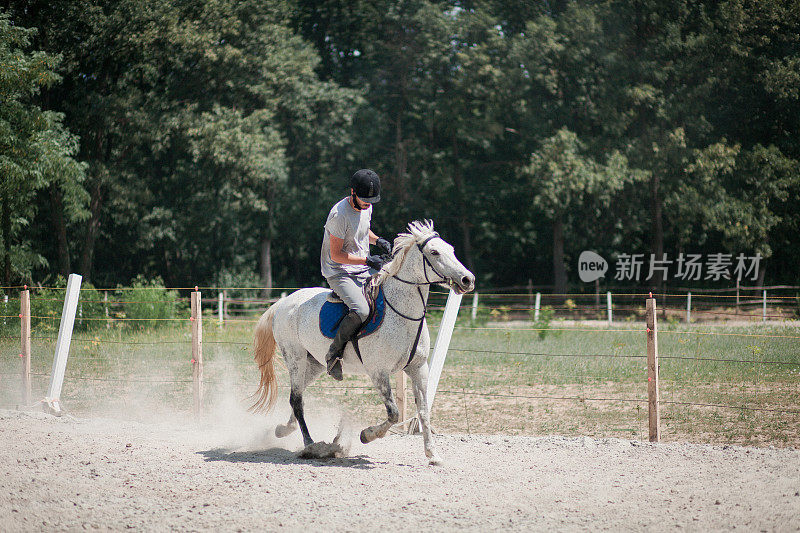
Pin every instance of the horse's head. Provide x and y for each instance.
(431, 258)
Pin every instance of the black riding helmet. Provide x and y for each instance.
(367, 185)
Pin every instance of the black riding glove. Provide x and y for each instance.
(384, 245)
(376, 262)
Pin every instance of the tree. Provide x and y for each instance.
(180, 105)
(36, 151)
(566, 183)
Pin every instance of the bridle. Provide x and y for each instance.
(425, 264)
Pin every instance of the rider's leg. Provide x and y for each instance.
(349, 326)
(350, 291)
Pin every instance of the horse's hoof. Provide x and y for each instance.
(367, 436)
(321, 450)
(435, 460)
(284, 430)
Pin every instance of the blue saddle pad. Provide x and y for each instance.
(331, 314)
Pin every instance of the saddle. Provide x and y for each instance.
(334, 309)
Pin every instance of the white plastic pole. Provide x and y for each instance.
(105, 308)
(474, 306)
(536, 306)
(220, 311)
(688, 307)
(52, 400)
(442, 343)
(764, 308)
(608, 304)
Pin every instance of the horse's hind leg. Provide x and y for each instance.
(313, 370)
(382, 383)
(419, 379)
(303, 369)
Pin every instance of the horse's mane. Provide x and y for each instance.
(418, 231)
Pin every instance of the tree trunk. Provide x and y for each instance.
(559, 270)
(60, 230)
(463, 221)
(265, 256)
(266, 266)
(400, 159)
(87, 256)
(761, 273)
(6, 242)
(657, 246)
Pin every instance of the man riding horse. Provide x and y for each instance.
(345, 260)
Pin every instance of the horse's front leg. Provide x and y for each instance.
(419, 380)
(384, 387)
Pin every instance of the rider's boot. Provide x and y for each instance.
(347, 328)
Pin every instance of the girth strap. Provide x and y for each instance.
(416, 343)
(371, 297)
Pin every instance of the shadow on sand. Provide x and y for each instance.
(283, 456)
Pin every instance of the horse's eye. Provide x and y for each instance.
(434, 252)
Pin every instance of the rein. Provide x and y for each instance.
(425, 264)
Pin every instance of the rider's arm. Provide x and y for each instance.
(342, 257)
(372, 237)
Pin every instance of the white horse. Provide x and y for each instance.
(402, 342)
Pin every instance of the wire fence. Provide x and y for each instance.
(507, 372)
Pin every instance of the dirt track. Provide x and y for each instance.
(70, 474)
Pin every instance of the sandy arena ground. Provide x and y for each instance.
(100, 473)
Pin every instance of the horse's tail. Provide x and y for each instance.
(264, 344)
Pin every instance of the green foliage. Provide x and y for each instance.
(235, 283)
(546, 314)
(47, 305)
(564, 179)
(9, 324)
(209, 132)
(148, 304)
(36, 151)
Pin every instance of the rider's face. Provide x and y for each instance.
(358, 201)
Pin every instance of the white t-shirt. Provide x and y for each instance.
(352, 226)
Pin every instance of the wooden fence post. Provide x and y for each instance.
(25, 340)
(608, 304)
(220, 308)
(537, 306)
(652, 370)
(400, 385)
(475, 306)
(764, 307)
(197, 351)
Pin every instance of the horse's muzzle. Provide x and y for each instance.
(463, 285)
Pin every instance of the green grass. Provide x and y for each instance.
(574, 381)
